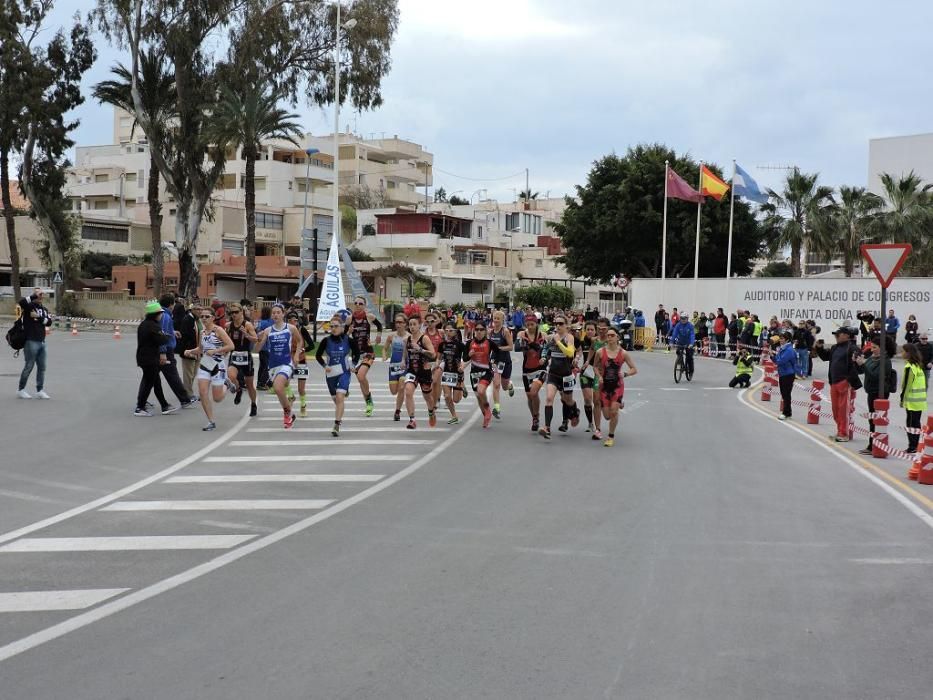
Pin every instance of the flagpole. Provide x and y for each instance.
(664, 236)
(731, 215)
(696, 254)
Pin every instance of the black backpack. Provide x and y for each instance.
(16, 336)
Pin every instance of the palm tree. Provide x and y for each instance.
(849, 223)
(157, 90)
(908, 218)
(246, 116)
(795, 217)
(528, 195)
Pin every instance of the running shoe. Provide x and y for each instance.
(466, 391)
(563, 427)
(397, 417)
(487, 416)
(232, 386)
(609, 442)
(238, 397)
(432, 419)
(304, 410)
(589, 428)
(335, 431)
(252, 410)
(23, 394)
(142, 413)
(865, 451)
(597, 435)
(369, 409)
(496, 414)
(190, 403)
(453, 421)
(289, 420)
(41, 395)
(575, 419)
(534, 425)
(411, 424)
(209, 427)
(782, 417)
(169, 409)
(841, 438)
(545, 433)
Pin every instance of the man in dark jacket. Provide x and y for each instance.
(35, 320)
(926, 353)
(872, 368)
(169, 368)
(843, 375)
(149, 357)
(189, 330)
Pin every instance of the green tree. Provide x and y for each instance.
(849, 223)
(795, 218)
(244, 117)
(528, 195)
(455, 201)
(908, 218)
(544, 295)
(94, 264)
(157, 93)
(357, 255)
(613, 226)
(440, 195)
(776, 269)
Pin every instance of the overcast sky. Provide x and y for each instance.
(494, 86)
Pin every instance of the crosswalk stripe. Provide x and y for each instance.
(228, 504)
(349, 415)
(273, 478)
(329, 443)
(343, 429)
(120, 544)
(311, 458)
(330, 409)
(42, 601)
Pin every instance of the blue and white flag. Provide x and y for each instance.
(744, 186)
(332, 299)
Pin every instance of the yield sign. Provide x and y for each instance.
(885, 259)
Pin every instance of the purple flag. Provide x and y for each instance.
(677, 188)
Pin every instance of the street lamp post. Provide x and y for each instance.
(309, 188)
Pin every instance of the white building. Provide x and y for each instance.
(898, 155)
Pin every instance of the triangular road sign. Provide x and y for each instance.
(885, 259)
(57, 279)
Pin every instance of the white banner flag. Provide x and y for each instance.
(332, 298)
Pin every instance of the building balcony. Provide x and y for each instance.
(396, 241)
(111, 188)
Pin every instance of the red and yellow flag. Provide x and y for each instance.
(710, 185)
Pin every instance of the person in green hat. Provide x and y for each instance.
(149, 338)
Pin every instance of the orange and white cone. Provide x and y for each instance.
(116, 332)
(74, 329)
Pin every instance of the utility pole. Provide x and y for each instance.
(425, 187)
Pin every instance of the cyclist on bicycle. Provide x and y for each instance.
(683, 337)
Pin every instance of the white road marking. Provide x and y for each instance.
(223, 504)
(330, 409)
(719, 388)
(107, 609)
(273, 478)
(330, 443)
(359, 420)
(116, 495)
(311, 458)
(124, 544)
(893, 561)
(343, 429)
(40, 601)
(673, 388)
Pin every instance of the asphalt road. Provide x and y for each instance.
(713, 553)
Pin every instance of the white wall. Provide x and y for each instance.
(829, 302)
(898, 156)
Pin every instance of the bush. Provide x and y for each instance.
(541, 295)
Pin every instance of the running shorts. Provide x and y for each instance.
(612, 396)
(480, 376)
(423, 378)
(340, 383)
(243, 361)
(530, 378)
(285, 370)
(564, 382)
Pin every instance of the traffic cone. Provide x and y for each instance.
(116, 332)
(914, 472)
(74, 329)
(925, 452)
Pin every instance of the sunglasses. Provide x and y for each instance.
(207, 316)
(480, 328)
(360, 303)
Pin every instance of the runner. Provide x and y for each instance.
(212, 368)
(588, 380)
(395, 343)
(481, 353)
(360, 323)
(241, 370)
(342, 354)
(533, 346)
(285, 345)
(502, 337)
(419, 353)
(451, 355)
(436, 337)
(609, 361)
(301, 362)
(560, 377)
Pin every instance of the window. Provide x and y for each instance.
(102, 177)
(90, 232)
(479, 231)
(474, 287)
(260, 183)
(478, 258)
(101, 204)
(302, 185)
(512, 221)
(460, 258)
(234, 246)
(270, 221)
(130, 177)
(171, 212)
(126, 122)
(229, 181)
(539, 263)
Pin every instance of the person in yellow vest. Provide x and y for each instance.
(743, 362)
(913, 392)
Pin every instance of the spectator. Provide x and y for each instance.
(891, 324)
(412, 308)
(872, 368)
(733, 328)
(659, 317)
(665, 331)
(926, 354)
(786, 361)
(910, 329)
(220, 313)
(149, 356)
(720, 326)
(35, 320)
(743, 369)
(843, 375)
(803, 341)
(518, 319)
(168, 366)
(189, 338)
(913, 393)
(262, 378)
(617, 318)
(675, 317)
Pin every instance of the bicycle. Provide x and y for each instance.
(680, 367)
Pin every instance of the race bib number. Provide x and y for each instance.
(534, 376)
(411, 378)
(239, 358)
(570, 382)
(450, 379)
(334, 370)
(210, 363)
(589, 372)
(301, 372)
